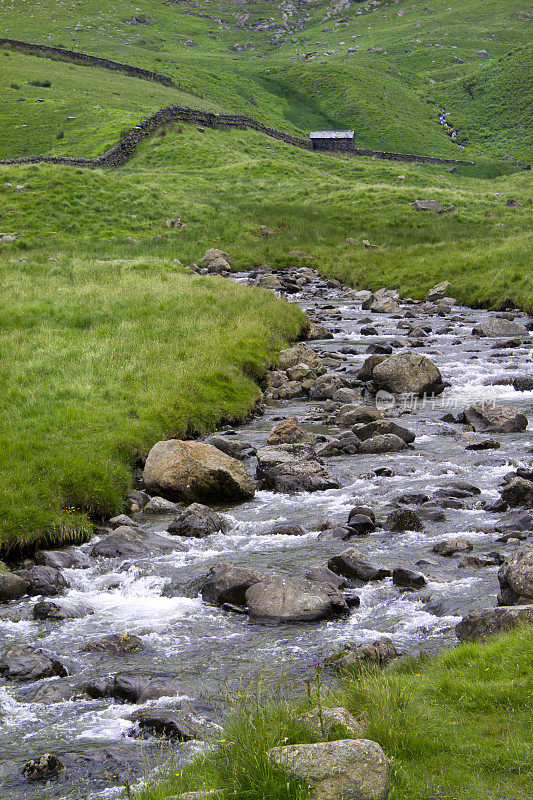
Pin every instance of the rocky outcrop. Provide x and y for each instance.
(480, 624)
(338, 770)
(516, 578)
(190, 472)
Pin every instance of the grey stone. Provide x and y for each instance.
(283, 599)
(480, 624)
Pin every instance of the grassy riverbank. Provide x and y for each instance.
(102, 358)
(457, 725)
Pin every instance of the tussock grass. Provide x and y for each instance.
(456, 726)
(102, 359)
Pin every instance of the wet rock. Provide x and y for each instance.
(495, 419)
(197, 521)
(227, 583)
(326, 386)
(61, 559)
(323, 721)
(232, 447)
(480, 624)
(46, 581)
(516, 578)
(383, 443)
(284, 469)
(383, 305)
(366, 511)
(289, 431)
(160, 687)
(45, 768)
(485, 444)
(287, 529)
(382, 427)
(318, 332)
(339, 532)
(350, 564)
(403, 519)
(191, 472)
(499, 326)
(477, 562)
(407, 579)
(361, 524)
(523, 383)
(121, 519)
(518, 492)
(452, 546)
(160, 505)
(56, 691)
(12, 587)
(127, 542)
(412, 498)
(26, 663)
(432, 512)
(516, 521)
(408, 372)
(281, 599)
(164, 724)
(347, 396)
(333, 770)
(115, 644)
(438, 292)
(427, 205)
(325, 575)
(47, 609)
(353, 413)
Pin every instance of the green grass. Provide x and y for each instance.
(100, 359)
(456, 726)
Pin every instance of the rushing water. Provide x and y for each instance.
(206, 648)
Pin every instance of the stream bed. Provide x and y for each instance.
(208, 650)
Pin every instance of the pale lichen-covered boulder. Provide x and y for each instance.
(499, 326)
(408, 373)
(192, 472)
(348, 768)
(322, 721)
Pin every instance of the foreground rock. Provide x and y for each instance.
(481, 624)
(191, 472)
(495, 419)
(516, 578)
(22, 662)
(127, 542)
(290, 469)
(348, 768)
(406, 373)
(280, 599)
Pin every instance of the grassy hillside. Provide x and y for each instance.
(388, 95)
(92, 258)
(458, 725)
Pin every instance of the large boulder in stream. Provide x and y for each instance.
(499, 326)
(347, 768)
(490, 418)
(22, 662)
(516, 578)
(282, 599)
(228, 583)
(46, 581)
(408, 373)
(12, 587)
(293, 468)
(192, 472)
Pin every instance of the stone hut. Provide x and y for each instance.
(332, 140)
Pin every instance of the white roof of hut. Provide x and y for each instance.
(332, 134)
